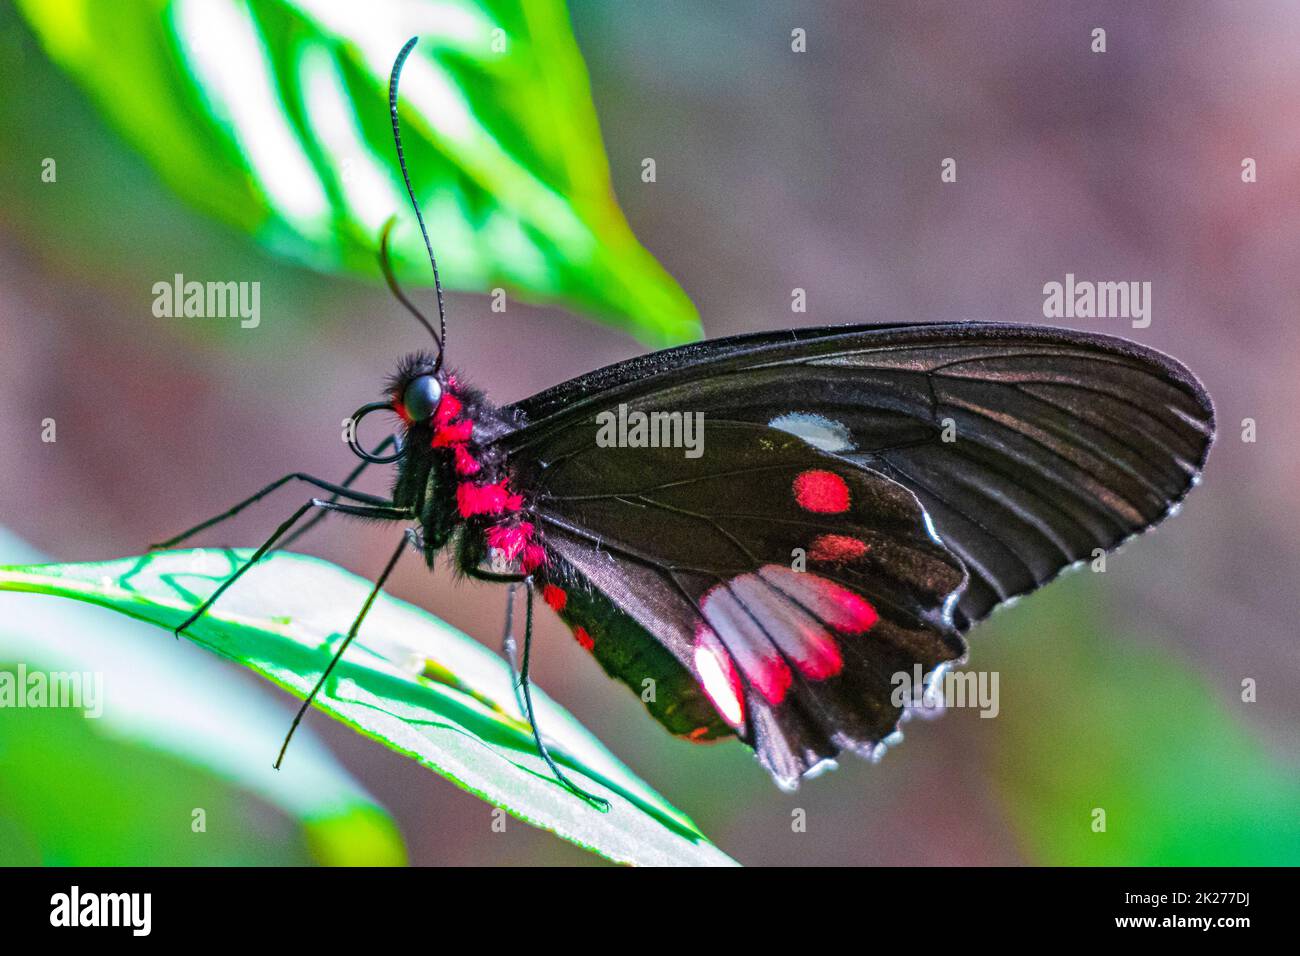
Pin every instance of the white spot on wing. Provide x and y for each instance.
(817, 430)
(718, 683)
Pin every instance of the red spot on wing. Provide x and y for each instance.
(771, 624)
(583, 638)
(556, 597)
(837, 548)
(823, 492)
(697, 734)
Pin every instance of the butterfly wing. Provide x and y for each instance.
(1030, 448)
(787, 586)
(629, 652)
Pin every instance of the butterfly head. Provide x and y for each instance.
(419, 389)
(420, 398)
(419, 395)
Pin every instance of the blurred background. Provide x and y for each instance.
(774, 170)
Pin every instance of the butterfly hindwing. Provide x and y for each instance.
(629, 653)
(791, 585)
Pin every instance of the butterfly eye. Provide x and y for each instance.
(421, 398)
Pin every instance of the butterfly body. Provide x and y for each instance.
(454, 475)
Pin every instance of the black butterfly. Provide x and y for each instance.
(862, 495)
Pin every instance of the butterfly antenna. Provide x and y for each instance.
(441, 336)
(386, 265)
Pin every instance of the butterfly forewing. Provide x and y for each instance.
(1030, 448)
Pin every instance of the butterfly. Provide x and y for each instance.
(766, 529)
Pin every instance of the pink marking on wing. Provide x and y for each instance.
(822, 492)
(745, 640)
(837, 548)
(839, 607)
(824, 662)
(800, 637)
(717, 673)
(853, 613)
(771, 677)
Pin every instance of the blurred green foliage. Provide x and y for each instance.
(409, 680)
(72, 795)
(1092, 719)
(173, 767)
(272, 115)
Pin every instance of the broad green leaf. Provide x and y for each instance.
(1090, 723)
(153, 737)
(409, 680)
(273, 115)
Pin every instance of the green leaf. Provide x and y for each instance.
(1091, 722)
(272, 115)
(409, 680)
(117, 778)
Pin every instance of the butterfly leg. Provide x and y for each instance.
(352, 632)
(365, 511)
(520, 675)
(339, 491)
(600, 803)
(508, 647)
(317, 518)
